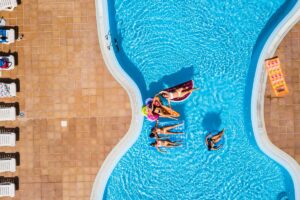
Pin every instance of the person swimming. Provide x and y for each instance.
(155, 131)
(211, 141)
(165, 143)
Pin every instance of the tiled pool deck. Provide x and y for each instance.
(63, 77)
(282, 115)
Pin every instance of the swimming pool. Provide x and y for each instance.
(211, 43)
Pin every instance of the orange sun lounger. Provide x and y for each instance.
(276, 76)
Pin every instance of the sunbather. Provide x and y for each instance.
(165, 143)
(211, 141)
(155, 131)
(157, 107)
(178, 93)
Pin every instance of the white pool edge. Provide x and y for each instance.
(135, 101)
(257, 102)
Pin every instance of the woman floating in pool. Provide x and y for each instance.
(155, 131)
(165, 143)
(211, 141)
(156, 107)
(177, 93)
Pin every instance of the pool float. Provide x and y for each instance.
(146, 111)
(169, 111)
(166, 110)
(188, 85)
(150, 116)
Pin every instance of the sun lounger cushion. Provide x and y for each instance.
(7, 190)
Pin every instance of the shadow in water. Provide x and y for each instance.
(211, 121)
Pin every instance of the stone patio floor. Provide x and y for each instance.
(63, 77)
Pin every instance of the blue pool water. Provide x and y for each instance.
(163, 43)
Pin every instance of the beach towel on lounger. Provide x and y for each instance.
(3, 36)
(4, 90)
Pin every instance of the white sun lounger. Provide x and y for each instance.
(8, 113)
(8, 5)
(8, 139)
(11, 60)
(8, 165)
(11, 36)
(7, 190)
(8, 90)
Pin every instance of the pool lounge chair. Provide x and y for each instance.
(7, 62)
(8, 36)
(7, 189)
(8, 90)
(8, 113)
(8, 186)
(8, 5)
(8, 139)
(8, 165)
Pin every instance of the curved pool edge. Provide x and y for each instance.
(257, 101)
(135, 97)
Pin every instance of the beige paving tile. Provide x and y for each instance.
(63, 77)
(282, 117)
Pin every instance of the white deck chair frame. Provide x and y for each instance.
(8, 113)
(8, 139)
(7, 190)
(8, 165)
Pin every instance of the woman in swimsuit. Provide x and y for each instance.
(211, 141)
(157, 107)
(165, 143)
(155, 131)
(178, 93)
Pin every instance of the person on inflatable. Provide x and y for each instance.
(211, 141)
(178, 93)
(165, 143)
(157, 108)
(155, 131)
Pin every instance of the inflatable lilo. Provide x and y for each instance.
(155, 109)
(214, 141)
(179, 92)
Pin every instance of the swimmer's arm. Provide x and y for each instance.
(217, 148)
